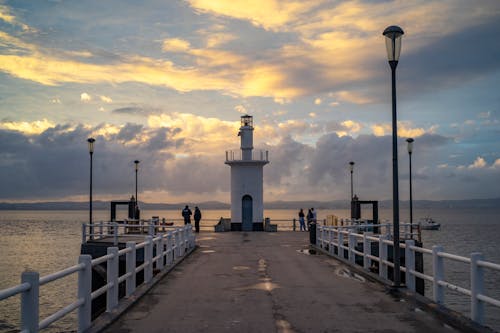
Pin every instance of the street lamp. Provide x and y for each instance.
(351, 168)
(410, 150)
(136, 162)
(393, 36)
(91, 152)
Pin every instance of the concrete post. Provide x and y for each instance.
(438, 270)
(112, 278)
(130, 264)
(84, 292)
(170, 251)
(352, 244)
(410, 265)
(476, 287)
(294, 225)
(148, 256)
(29, 302)
(331, 241)
(341, 244)
(160, 250)
(84, 233)
(382, 254)
(151, 229)
(115, 233)
(366, 250)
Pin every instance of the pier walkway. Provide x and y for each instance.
(268, 282)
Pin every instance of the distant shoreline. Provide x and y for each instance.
(337, 204)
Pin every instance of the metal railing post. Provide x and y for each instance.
(438, 272)
(130, 264)
(29, 302)
(352, 241)
(84, 233)
(112, 278)
(151, 229)
(84, 292)
(294, 225)
(170, 250)
(410, 265)
(115, 233)
(160, 250)
(340, 251)
(476, 287)
(382, 255)
(366, 250)
(148, 256)
(101, 230)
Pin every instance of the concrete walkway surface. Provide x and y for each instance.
(268, 282)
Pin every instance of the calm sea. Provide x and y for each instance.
(48, 241)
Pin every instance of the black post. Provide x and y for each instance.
(136, 215)
(351, 186)
(395, 185)
(411, 202)
(91, 152)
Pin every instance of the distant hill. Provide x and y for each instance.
(336, 204)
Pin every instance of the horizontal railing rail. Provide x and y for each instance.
(337, 240)
(169, 247)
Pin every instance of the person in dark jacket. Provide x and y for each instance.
(197, 218)
(186, 214)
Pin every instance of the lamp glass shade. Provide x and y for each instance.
(393, 42)
(351, 166)
(410, 145)
(136, 162)
(91, 144)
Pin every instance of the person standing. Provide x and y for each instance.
(197, 218)
(314, 216)
(309, 218)
(186, 214)
(301, 220)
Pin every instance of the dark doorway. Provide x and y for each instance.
(246, 213)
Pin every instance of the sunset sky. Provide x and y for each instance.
(166, 82)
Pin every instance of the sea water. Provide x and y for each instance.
(48, 241)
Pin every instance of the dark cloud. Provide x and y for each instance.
(452, 59)
(129, 132)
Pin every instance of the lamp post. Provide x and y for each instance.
(136, 162)
(410, 150)
(393, 36)
(351, 168)
(91, 152)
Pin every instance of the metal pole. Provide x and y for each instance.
(91, 228)
(352, 192)
(411, 203)
(395, 189)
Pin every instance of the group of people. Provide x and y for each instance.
(311, 218)
(186, 214)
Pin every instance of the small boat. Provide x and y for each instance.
(427, 223)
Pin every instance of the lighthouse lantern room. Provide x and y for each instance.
(247, 202)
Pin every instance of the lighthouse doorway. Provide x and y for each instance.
(246, 213)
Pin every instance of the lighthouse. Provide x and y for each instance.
(247, 189)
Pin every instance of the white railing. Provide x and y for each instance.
(169, 247)
(257, 155)
(128, 228)
(336, 240)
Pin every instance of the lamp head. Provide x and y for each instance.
(393, 42)
(351, 166)
(410, 145)
(136, 164)
(91, 145)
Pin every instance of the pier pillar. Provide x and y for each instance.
(29, 302)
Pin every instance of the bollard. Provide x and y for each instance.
(294, 225)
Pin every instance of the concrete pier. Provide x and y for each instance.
(269, 282)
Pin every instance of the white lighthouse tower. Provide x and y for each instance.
(247, 202)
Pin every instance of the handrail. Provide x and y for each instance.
(338, 239)
(170, 246)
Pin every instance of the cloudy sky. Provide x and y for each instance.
(166, 82)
